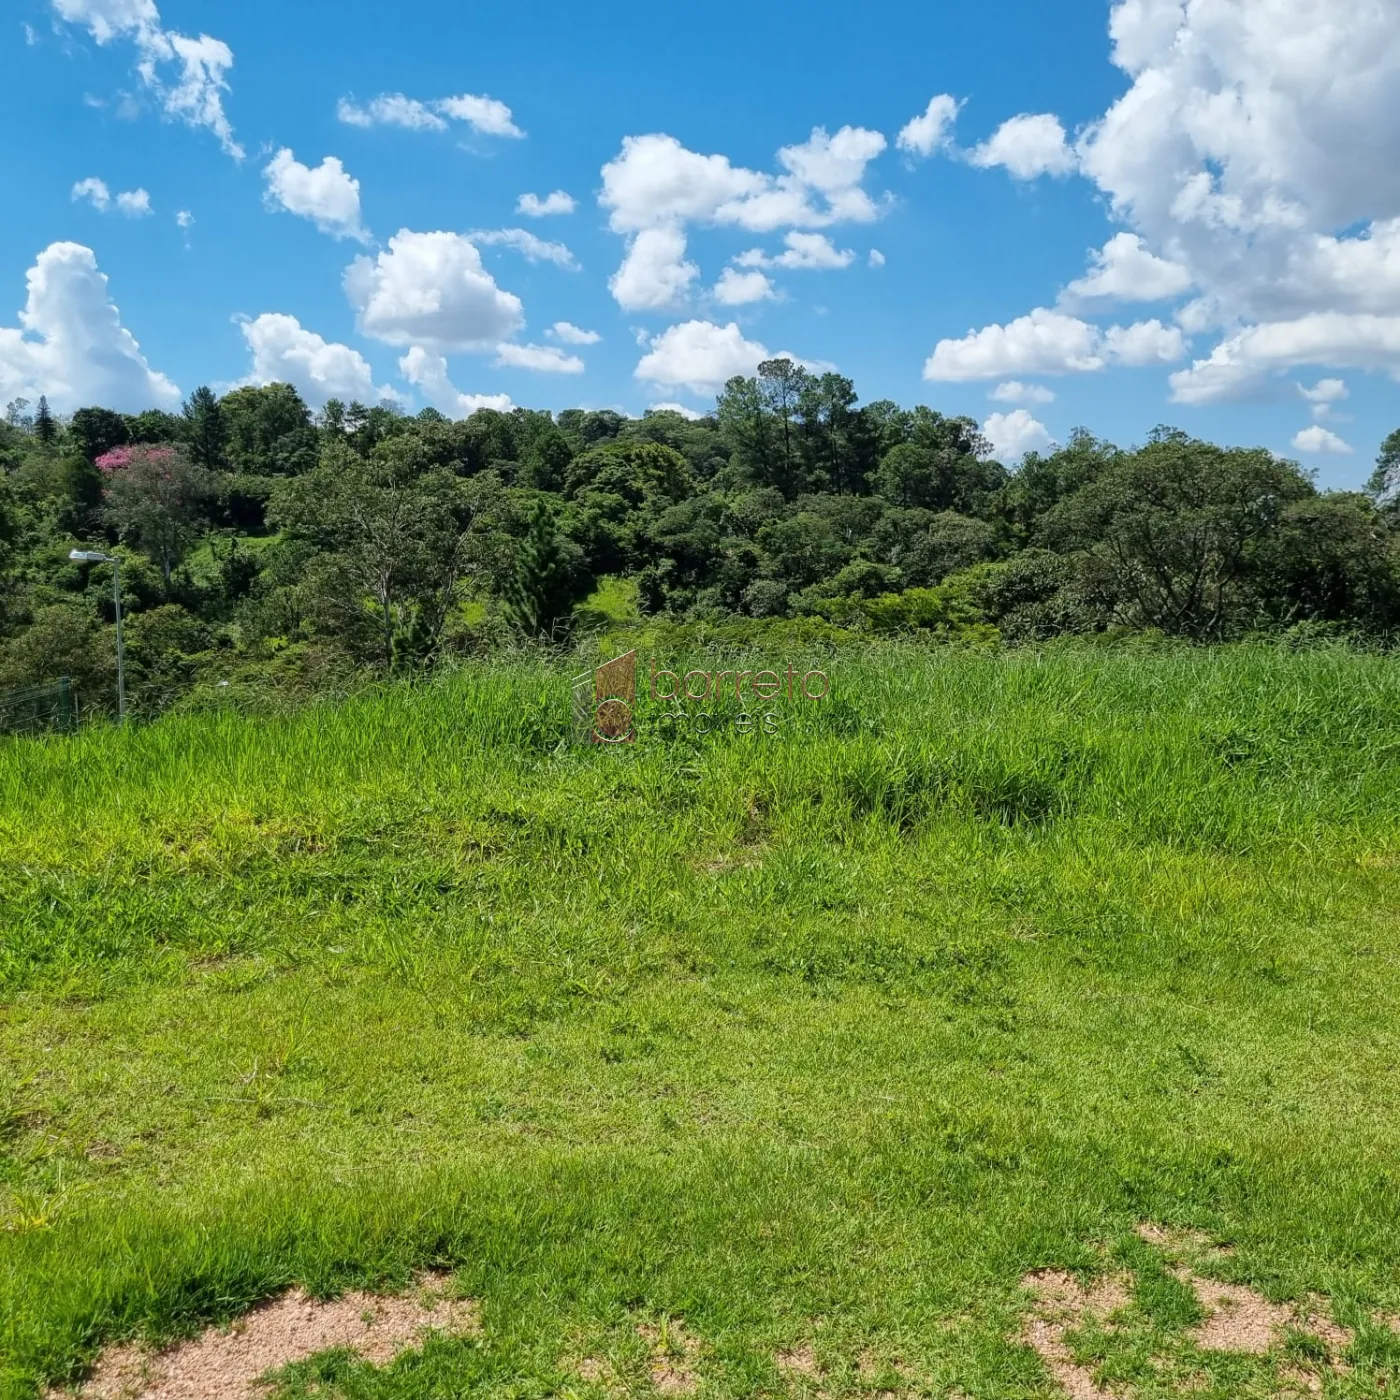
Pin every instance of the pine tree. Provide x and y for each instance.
(539, 594)
(205, 430)
(45, 429)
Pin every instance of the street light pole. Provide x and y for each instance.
(92, 556)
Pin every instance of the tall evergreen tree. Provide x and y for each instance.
(541, 592)
(205, 431)
(45, 429)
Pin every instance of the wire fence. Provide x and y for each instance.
(40, 708)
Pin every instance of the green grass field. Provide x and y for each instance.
(825, 1039)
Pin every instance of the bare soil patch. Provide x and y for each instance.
(1062, 1304)
(227, 1364)
(673, 1355)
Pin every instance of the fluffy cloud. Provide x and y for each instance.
(186, 75)
(72, 345)
(1324, 395)
(430, 289)
(690, 414)
(285, 352)
(656, 181)
(1049, 342)
(559, 202)
(573, 335)
(700, 356)
(654, 275)
(876, 258)
(1013, 391)
(390, 109)
(654, 187)
(185, 219)
(483, 114)
(736, 288)
(1255, 148)
(428, 373)
(545, 359)
(803, 251)
(1027, 146)
(326, 195)
(135, 204)
(932, 129)
(1145, 343)
(1044, 342)
(1126, 270)
(527, 245)
(1013, 434)
(1318, 439)
(1244, 362)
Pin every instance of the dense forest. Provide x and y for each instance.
(267, 547)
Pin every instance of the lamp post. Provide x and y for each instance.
(91, 556)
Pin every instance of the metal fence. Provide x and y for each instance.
(40, 708)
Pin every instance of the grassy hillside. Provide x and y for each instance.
(827, 1039)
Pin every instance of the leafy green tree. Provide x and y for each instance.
(269, 431)
(390, 548)
(547, 581)
(1332, 559)
(782, 383)
(205, 433)
(1166, 532)
(98, 431)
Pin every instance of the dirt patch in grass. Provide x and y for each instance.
(1063, 1304)
(226, 1364)
(798, 1361)
(673, 1354)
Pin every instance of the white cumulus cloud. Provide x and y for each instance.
(558, 202)
(736, 288)
(1125, 269)
(325, 194)
(655, 274)
(1050, 342)
(428, 373)
(1324, 396)
(932, 129)
(571, 334)
(690, 414)
(430, 289)
(284, 352)
(71, 344)
(1013, 391)
(1243, 363)
(1043, 342)
(1013, 434)
(803, 251)
(1027, 146)
(700, 356)
(544, 359)
(1319, 439)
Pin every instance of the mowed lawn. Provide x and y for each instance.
(810, 1045)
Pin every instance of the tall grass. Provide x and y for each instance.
(983, 958)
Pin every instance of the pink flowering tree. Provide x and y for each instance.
(155, 496)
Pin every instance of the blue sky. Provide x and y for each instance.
(1110, 216)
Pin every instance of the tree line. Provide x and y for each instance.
(264, 542)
